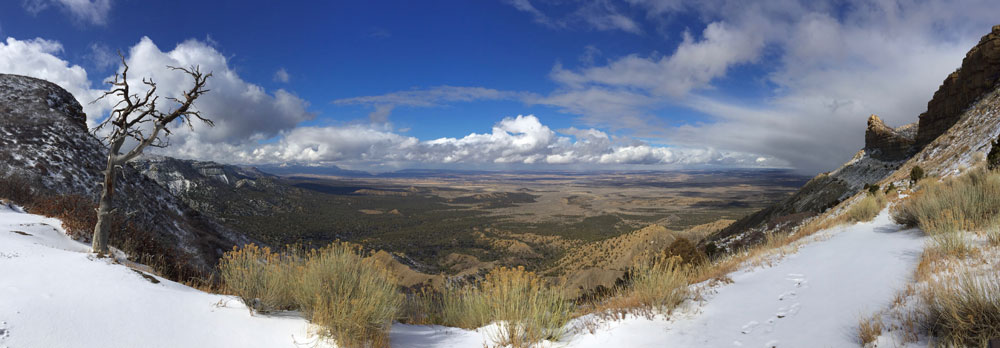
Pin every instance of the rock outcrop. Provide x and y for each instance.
(887, 144)
(44, 137)
(978, 75)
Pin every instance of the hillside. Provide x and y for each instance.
(67, 298)
(45, 141)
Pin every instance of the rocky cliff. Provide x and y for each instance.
(218, 190)
(44, 137)
(978, 75)
(888, 144)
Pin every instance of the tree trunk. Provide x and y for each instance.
(104, 208)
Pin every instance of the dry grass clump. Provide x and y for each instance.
(993, 235)
(687, 251)
(965, 311)
(869, 329)
(659, 283)
(968, 203)
(262, 279)
(951, 243)
(866, 209)
(525, 309)
(354, 299)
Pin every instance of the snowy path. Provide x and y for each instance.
(812, 298)
(53, 294)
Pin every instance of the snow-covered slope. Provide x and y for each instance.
(812, 298)
(54, 294)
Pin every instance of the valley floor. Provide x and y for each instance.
(54, 294)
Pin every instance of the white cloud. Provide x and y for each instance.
(242, 111)
(521, 140)
(827, 66)
(282, 76)
(89, 11)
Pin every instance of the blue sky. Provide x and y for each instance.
(380, 85)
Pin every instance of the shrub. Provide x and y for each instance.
(873, 189)
(891, 188)
(867, 208)
(660, 282)
(523, 306)
(711, 249)
(689, 254)
(916, 174)
(950, 243)
(17, 189)
(76, 213)
(993, 235)
(869, 330)
(993, 158)
(526, 308)
(969, 202)
(353, 298)
(965, 312)
(261, 278)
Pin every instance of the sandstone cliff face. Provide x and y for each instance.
(978, 75)
(887, 144)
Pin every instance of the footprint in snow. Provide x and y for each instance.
(748, 328)
(787, 295)
(799, 280)
(788, 311)
(771, 344)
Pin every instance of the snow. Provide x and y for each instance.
(813, 298)
(53, 293)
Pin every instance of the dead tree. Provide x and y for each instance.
(136, 117)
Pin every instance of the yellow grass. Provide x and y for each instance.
(353, 299)
(259, 277)
(524, 307)
(866, 209)
(659, 283)
(869, 329)
(965, 311)
(968, 203)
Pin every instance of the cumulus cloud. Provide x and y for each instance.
(88, 11)
(242, 111)
(282, 76)
(826, 66)
(521, 140)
